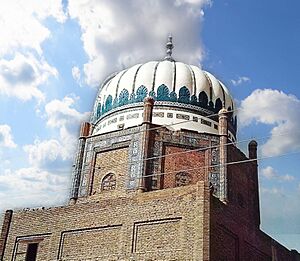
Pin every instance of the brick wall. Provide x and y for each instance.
(235, 233)
(4, 232)
(109, 162)
(232, 240)
(242, 188)
(182, 162)
(182, 223)
(170, 224)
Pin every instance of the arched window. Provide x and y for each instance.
(182, 179)
(109, 182)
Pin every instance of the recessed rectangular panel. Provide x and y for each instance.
(157, 235)
(91, 243)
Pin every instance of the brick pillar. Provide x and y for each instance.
(223, 133)
(252, 150)
(146, 135)
(84, 133)
(5, 231)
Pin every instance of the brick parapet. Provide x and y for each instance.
(238, 241)
(159, 224)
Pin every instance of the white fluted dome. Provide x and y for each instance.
(180, 91)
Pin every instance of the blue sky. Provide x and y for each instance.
(54, 54)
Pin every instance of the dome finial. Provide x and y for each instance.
(169, 47)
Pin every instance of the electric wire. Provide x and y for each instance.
(191, 150)
(177, 153)
(186, 169)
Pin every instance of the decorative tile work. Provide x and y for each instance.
(167, 105)
(114, 120)
(214, 175)
(162, 94)
(206, 122)
(182, 178)
(77, 168)
(155, 164)
(104, 142)
(195, 119)
(109, 182)
(182, 116)
(159, 114)
(135, 160)
(132, 116)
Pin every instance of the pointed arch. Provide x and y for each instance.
(123, 97)
(98, 113)
(141, 93)
(218, 105)
(184, 95)
(108, 103)
(109, 182)
(163, 93)
(203, 99)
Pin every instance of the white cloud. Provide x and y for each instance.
(76, 74)
(23, 68)
(31, 187)
(6, 138)
(21, 76)
(119, 33)
(47, 154)
(49, 161)
(268, 172)
(49, 171)
(271, 173)
(273, 107)
(195, 2)
(21, 23)
(272, 191)
(240, 80)
(61, 113)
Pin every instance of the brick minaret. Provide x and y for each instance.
(84, 133)
(252, 149)
(146, 135)
(223, 132)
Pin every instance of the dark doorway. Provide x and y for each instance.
(31, 251)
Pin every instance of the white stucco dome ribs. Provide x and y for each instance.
(181, 92)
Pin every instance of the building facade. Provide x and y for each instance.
(157, 176)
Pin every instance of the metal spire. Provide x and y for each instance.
(169, 47)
